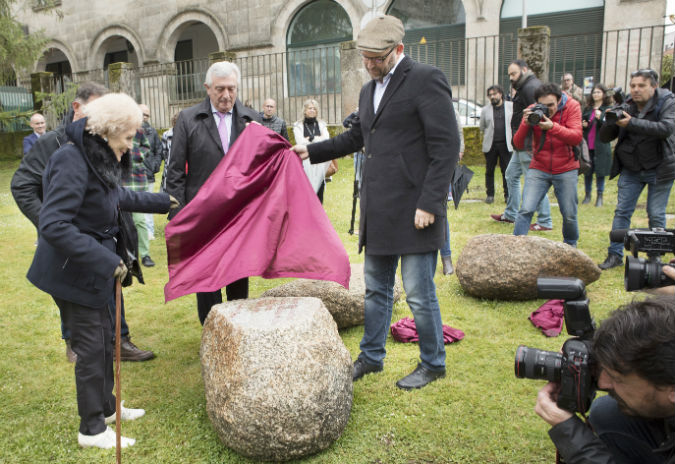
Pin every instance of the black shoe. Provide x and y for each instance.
(130, 352)
(587, 199)
(362, 368)
(611, 261)
(490, 199)
(147, 261)
(598, 199)
(419, 378)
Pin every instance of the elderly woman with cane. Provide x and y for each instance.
(76, 260)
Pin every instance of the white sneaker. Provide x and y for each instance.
(128, 414)
(105, 440)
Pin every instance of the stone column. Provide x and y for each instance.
(353, 76)
(121, 78)
(534, 48)
(40, 83)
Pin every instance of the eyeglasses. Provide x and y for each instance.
(645, 73)
(378, 59)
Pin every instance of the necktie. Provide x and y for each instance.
(222, 131)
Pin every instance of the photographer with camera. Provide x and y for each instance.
(634, 355)
(555, 125)
(645, 127)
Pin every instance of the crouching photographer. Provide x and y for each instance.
(634, 355)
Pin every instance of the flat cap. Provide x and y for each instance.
(380, 34)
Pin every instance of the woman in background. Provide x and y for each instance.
(308, 130)
(592, 119)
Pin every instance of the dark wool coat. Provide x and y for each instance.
(196, 143)
(602, 158)
(75, 257)
(411, 149)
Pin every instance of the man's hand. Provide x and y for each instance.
(120, 271)
(301, 150)
(173, 202)
(668, 290)
(423, 219)
(461, 155)
(545, 123)
(546, 406)
(623, 122)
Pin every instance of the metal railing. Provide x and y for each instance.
(471, 66)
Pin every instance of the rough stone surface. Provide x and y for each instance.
(277, 377)
(506, 267)
(346, 306)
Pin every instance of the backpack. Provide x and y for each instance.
(582, 155)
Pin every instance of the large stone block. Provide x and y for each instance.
(277, 377)
(346, 306)
(506, 267)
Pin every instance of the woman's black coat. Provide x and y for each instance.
(75, 258)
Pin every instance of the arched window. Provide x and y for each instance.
(312, 45)
(576, 34)
(434, 33)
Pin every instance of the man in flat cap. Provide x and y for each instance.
(409, 132)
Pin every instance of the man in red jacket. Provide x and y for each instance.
(553, 161)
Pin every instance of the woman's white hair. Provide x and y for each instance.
(307, 103)
(222, 69)
(112, 113)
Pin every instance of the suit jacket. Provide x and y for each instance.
(487, 125)
(196, 148)
(411, 148)
(28, 142)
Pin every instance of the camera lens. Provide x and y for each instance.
(640, 273)
(532, 363)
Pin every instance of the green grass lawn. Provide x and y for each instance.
(479, 413)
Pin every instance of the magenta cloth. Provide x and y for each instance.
(404, 331)
(591, 133)
(549, 317)
(256, 215)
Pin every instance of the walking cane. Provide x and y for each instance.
(118, 388)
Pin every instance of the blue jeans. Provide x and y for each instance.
(518, 165)
(629, 439)
(631, 184)
(418, 272)
(537, 184)
(445, 250)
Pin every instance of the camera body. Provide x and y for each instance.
(616, 112)
(538, 111)
(572, 368)
(645, 273)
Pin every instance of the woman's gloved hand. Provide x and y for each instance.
(174, 203)
(120, 271)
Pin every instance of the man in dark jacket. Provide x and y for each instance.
(271, 120)
(643, 155)
(201, 138)
(409, 132)
(525, 83)
(26, 188)
(152, 162)
(635, 352)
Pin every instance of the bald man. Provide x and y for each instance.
(37, 123)
(271, 120)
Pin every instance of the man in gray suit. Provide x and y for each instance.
(201, 138)
(495, 124)
(409, 132)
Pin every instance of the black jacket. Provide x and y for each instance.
(524, 97)
(26, 183)
(196, 147)
(411, 148)
(658, 122)
(75, 257)
(153, 160)
(579, 445)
